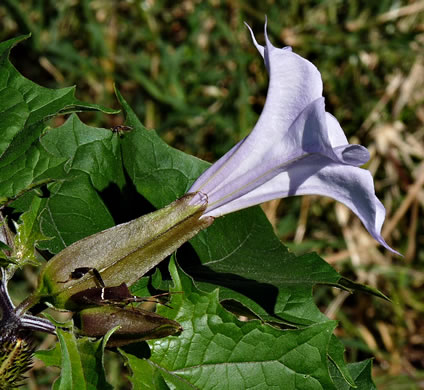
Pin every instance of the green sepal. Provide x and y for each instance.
(122, 254)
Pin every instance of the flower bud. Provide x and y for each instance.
(135, 324)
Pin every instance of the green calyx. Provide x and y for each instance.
(123, 253)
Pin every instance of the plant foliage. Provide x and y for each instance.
(62, 179)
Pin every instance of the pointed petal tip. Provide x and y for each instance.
(269, 45)
(259, 47)
(384, 243)
(251, 33)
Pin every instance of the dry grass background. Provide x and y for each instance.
(189, 70)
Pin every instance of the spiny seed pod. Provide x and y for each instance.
(15, 339)
(15, 359)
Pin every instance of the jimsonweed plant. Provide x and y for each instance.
(58, 178)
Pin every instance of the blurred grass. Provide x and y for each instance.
(189, 70)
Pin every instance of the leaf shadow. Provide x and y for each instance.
(125, 204)
(264, 294)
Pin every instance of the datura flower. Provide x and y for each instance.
(295, 148)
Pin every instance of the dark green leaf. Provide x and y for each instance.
(92, 162)
(80, 160)
(72, 373)
(5, 247)
(141, 287)
(73, 211)
(361, 374)
(29, 161)
(336, 355)
(252, 261)
(51, 357)
(88, 150)
(63, 153)
(215, 350)
(145, 374)
(23, 104)
(92, 358)
(351, 285)
(161, 174)
(81, 361)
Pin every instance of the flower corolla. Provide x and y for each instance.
(295, 148)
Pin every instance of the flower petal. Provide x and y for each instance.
(294, 82)
(295, 148)
(356, 155)
(302, 85)
(319, 175)
(254, 161)
(335, 132)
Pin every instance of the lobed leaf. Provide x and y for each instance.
(78, 161)
(79, 158)
(23, 104)
(216, 350)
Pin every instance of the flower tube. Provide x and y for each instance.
(295, 148)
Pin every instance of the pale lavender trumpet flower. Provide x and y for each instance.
(296, 148)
